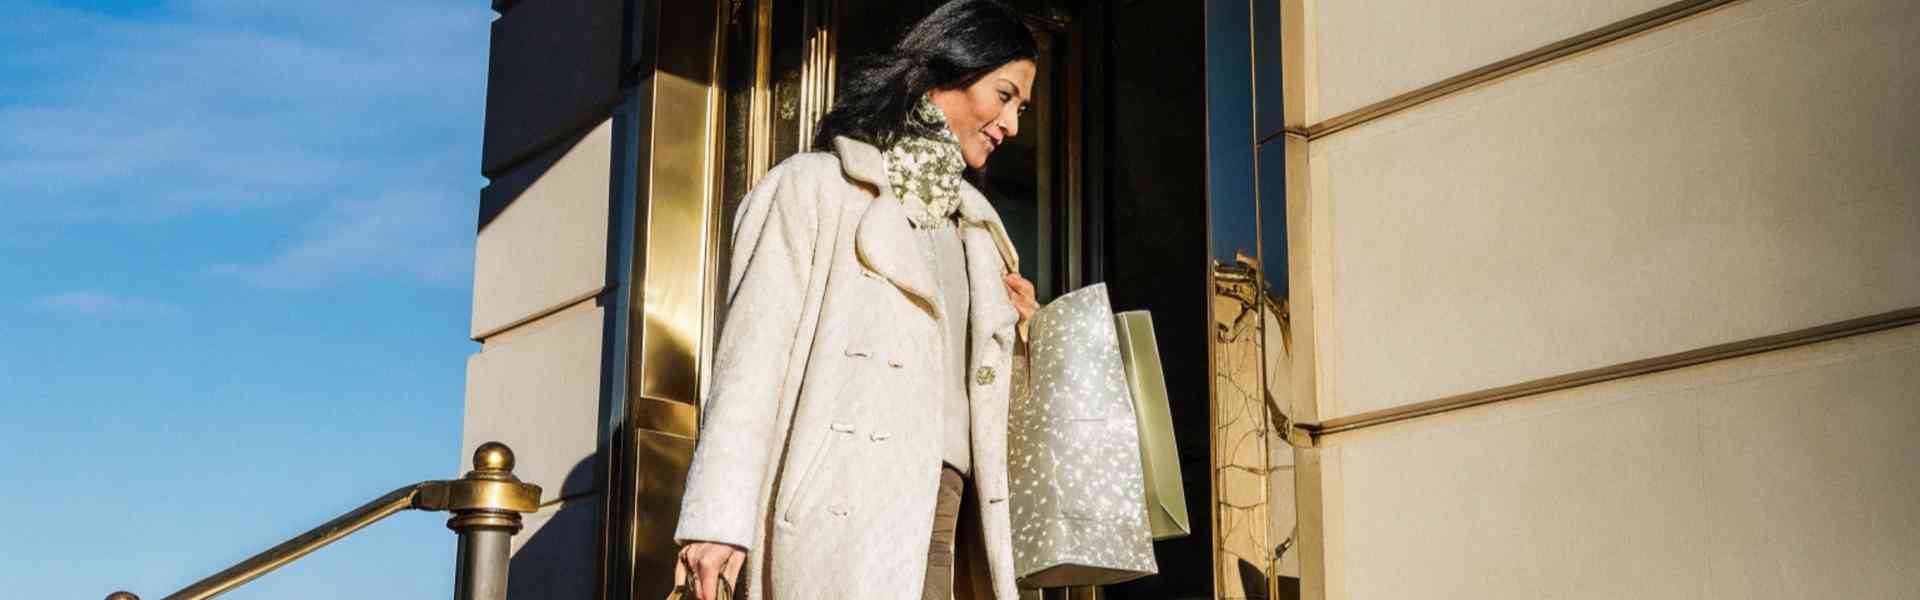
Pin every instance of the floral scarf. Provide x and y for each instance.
(924, 172)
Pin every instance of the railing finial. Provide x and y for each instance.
(493, 456)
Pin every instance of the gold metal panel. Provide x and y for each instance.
(666, 416)
(770, 111)
(799, 39)
(760, 136)
(657, 508)
(673, 293)
(1242, 432)
(671, 296)
(816, 80)
(1282, 504)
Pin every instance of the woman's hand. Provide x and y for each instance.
(1020, 291)
(709, 562)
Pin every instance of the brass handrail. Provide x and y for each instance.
(486, 506)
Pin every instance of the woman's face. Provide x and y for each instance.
(985, 114)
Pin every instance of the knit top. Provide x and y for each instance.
(947, 260)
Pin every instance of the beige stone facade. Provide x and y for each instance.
(1719, 179)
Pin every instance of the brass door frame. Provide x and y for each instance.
(665, 153)
(669, 160)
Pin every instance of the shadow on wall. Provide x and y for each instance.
(506, 187)
(557, 555)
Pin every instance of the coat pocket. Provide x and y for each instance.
(834, 434)
(805, 489)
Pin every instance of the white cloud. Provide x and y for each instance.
(95, 303)
(401, 233)
(366, 113)
(211, 106)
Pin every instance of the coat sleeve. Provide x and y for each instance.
(772, 269)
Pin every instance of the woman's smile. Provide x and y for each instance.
(984, 114)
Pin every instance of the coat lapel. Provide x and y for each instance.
(977, 211)
(884, 240)
(885, 244)
(990, 257)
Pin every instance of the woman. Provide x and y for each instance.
(860, 382)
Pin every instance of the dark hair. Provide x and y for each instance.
(954, 47)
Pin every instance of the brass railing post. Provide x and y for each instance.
(486, 506)
(486, 531)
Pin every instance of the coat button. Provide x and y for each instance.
(838, 510)
(983, 376)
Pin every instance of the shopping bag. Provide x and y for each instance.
(1160, 460)
(1078, 496)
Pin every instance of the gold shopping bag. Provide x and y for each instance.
(1160, 460)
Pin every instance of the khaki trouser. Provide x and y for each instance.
(946, 518)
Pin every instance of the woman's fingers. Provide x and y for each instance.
(1020, 292)
(1019, 285)
(733, 569)
(708, 566)
(709, 562)
(680, 568)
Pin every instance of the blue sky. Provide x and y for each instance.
(235, 266)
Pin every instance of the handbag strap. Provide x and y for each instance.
(685, 591)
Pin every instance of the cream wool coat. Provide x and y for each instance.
(820, 443)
